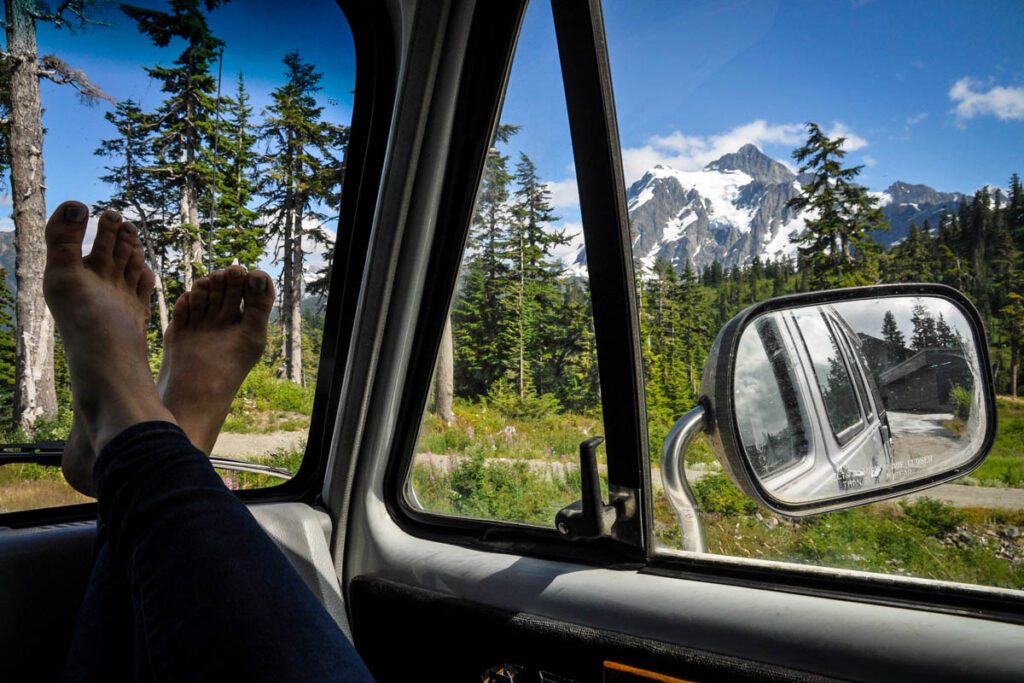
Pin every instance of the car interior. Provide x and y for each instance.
(428, 597)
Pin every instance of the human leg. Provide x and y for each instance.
(212, 596)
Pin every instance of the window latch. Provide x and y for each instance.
(590, 517)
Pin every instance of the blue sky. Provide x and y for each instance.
(257, 36)
(926, 92)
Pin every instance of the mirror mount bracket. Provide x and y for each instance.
(673, 477)
(590, 517)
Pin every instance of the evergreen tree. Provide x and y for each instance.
(138, 195)
(484, 333)
(237, 234)
(924, 335)
(535, 273)
(185, 121)
(297, 176)
(895, 343)
(837, 247)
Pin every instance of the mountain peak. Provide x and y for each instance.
(755, 163)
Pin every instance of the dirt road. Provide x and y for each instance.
(247, 445)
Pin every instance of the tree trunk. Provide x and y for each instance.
(35, 395)
(1014, 370)
(291, 297)
(444, 378)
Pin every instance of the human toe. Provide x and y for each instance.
(64, 234)
(198, 301)
(108, 232)
(231, 308)
(259, 299)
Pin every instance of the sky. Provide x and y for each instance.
(924, 92)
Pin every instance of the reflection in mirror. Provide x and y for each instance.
(857, 395)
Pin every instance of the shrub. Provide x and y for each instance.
(933, 517)
(716, 493)
(506, 399)
(961, 399)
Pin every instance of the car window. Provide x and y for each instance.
(222, 136)
(831, 374)
(516, 386)
(752, 171)
(768, 405)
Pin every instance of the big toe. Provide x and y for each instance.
(64, 234)
(259, 300)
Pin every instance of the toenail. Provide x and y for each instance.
(129, 229)
(259, 284)
(235, 274)
(75, 213)
(112, 216)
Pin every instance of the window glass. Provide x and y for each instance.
(909, 173)
(830, 373)
(768, 409)
(222, 136)
(515, 388)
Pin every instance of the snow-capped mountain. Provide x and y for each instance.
(735, 209)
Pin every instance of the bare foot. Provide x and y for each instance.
(217, 334)
(78, 459)
(96, 303)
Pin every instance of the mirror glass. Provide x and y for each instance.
(851, 396)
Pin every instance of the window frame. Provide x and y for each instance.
(364, 156)
(594, 136)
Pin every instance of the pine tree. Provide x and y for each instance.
(185, 121)
(138, 195)
(297, 176)
(895, 343)
(237, 234)
(924, 335)
(837, 247)
(483, 323)
(535, 272)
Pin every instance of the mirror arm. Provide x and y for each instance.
(673, 477)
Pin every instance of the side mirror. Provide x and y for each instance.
(823, 401)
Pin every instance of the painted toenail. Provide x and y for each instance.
(75, 213)
(235, 274)
(259, 284)
(130, 229)
(112, 216)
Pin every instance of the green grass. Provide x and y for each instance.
(266, 403)
(1004, 465)
(482, 429)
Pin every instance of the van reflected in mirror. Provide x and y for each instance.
(841, 397)
(833, 399)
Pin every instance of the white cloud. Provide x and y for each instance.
(869, 161)
(1005, 103)
(692, 153)
(916, 118)
(853, 141)
(5, 200)
(564, 193)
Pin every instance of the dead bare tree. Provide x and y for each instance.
(35, 395)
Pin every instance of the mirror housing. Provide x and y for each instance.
(813, 346)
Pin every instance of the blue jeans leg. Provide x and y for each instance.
(212, 597)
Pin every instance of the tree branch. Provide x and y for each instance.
(53, 68)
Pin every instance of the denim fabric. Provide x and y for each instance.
(186, 584)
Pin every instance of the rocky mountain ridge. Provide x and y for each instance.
(734, 209)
